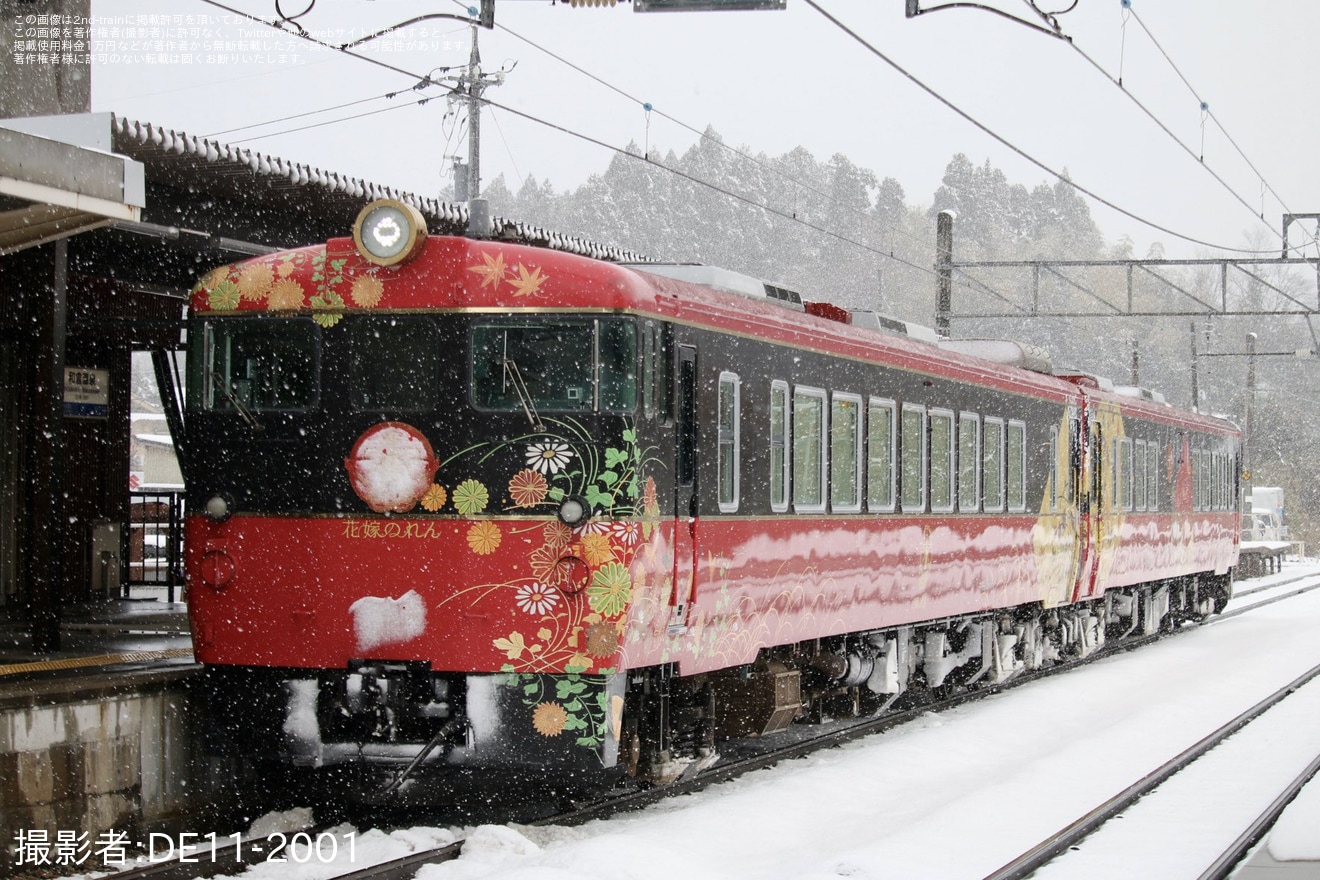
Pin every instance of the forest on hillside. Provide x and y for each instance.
(838, 232)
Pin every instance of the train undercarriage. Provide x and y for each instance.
(400, 723)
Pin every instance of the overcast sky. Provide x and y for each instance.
(772, 81)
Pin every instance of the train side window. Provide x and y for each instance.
(969, 459)
(1123, 483)
(649, 357)
(880, 440)
(1219, 481)
(779, 446)
(1152, 475)
(1015, 463)
(912, 453)
(992, 464)
(846, 453)
(729, 441)
(393, 366)
(1139, 475)
(808, 450)
(616, 365)
(1198, 478)
(655, 372)
(941, 461)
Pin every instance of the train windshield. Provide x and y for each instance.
(555, 364)
(246, 365)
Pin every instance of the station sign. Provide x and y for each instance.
(86, 393)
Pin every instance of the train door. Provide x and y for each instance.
(1090, 500)
(685, 489)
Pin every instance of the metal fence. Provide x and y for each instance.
(155, 542)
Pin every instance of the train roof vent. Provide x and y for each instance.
(894, 327)
(1087, 380)
(1142, 393)
(1003, 351)
(722, 279)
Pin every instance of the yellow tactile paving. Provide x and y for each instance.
(98, 660)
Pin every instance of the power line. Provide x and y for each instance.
(1198, 158)
(883, 226)
(748, 200)
(299, 115)
(1205, 106)
(256, 137)
(300, 32)
(985, 129)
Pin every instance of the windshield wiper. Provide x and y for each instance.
(238, 405)
(513, 376)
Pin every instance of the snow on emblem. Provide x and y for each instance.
(391, 467)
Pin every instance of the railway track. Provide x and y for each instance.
(229, 857)
(1084, 826)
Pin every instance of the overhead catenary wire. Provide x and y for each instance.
(745, 199)
(1199, 158)
(1003, 141)
(649, 108)
(300, 32)
(1206, 107)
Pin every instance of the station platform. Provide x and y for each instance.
(105, 636)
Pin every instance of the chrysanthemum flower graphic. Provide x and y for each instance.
(547, 565)
(223, 297)
(548, 456)
(610, 590)
(484, 538)
(596, 550)
(602, 639)
(367, 291)
(435, 498)
(557, 534)
(549, 719)
(627, 532)
(470, 497)
(286, 294)
(527, 488)
(254, 281)
(537, 598)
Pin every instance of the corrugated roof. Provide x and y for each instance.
(184, 159)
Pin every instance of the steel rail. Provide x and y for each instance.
(1234, 853)
(1068, 836)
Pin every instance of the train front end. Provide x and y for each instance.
(417, 501)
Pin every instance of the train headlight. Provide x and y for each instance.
(218, 508)
(573, 511)
(388, 232)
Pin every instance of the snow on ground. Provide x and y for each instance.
(954, 795)
(950, 796)
(1296, 836)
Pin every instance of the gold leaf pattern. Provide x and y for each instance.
(286, 294)
(367, 291)
(254, 282)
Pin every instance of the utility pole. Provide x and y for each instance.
(943, 272)
(1249, 441)
(1196, 390)
(473, 83)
